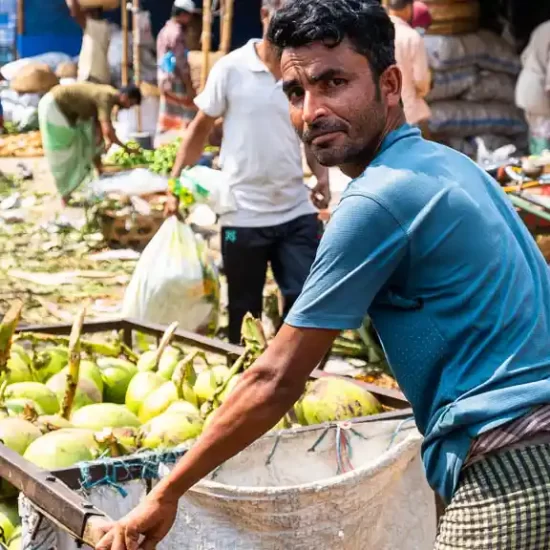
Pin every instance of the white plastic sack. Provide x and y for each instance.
(174, 281)
(491, 86)
(52, 59)
(127, 119)
(451, 84)
(465, 118)
(284, 493)
(484, 49)
(210, 187)
(139, 181)
(20, 109)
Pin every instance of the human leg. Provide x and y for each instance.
(245, 254)
(502, 502)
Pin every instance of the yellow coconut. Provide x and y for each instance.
(104, 415)
(35, 391)
(170, 429)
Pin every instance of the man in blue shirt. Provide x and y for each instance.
(428, 245)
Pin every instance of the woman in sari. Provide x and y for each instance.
(177, 93)
(76, 127)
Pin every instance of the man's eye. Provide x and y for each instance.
(295, 94)
(335, 82)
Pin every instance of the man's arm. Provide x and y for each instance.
(194, 142)
(77, 13)
(320, 194)
(421, 68)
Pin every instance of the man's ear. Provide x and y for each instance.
(264, 13)
(390, 85)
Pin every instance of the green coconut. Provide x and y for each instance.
(182, 406)
(22, 352)
(41, 394)
(116, 375)
(89, 370)
(332, 399)
(18, 406)
(141, 385)
(49, 362)
(9, 519)
(233, 381)
(208, 381)
(18, 370)
(167, 363)
(86, 391)
(170, 429)
(104, 415)
(14, 542)
(158, 401)
(62, 448)
(17, 433)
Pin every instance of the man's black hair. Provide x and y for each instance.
(399, 4)
(132, 92)
(364, 23)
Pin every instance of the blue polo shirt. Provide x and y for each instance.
(428, 245)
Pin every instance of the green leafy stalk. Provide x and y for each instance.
(7, 331)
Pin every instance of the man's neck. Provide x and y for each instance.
(268, 55)
(399, 15)
(396, 119)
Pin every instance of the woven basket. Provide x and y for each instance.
(457, 11)
(66, 70)
(129, 230)
(195, 64)
(34, 78)
(448, 28)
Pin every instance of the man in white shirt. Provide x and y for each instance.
(275, 221)
(93, 64)
(412, 59)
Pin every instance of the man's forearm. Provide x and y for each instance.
(253, 408)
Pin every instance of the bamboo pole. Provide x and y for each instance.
(124, 25)
(206, 40)
(137, 56)
(226, 18)
(20, 22)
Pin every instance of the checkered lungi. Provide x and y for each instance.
(502, 502)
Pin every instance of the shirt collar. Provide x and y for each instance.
(404, 131)
(251, 59)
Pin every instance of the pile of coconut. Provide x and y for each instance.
(65, 400)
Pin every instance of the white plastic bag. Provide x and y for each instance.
(174, 281)
(208, 186)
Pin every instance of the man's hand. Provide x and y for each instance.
(172, 206)
(143, 528)
(320, 195)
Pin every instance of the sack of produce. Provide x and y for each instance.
(484, 49)
(67, 69)
(21, 110)
(490, 86)
(451, 84)
(174, 281)
(34, 79)
(204, 185)
(52, 59)
(465, 118)
(454, 17)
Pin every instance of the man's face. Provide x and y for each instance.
(184, 19)
(337, 106)
(126, 102)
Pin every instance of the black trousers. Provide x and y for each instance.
(290, 248)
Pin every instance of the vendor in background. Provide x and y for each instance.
(533, 88)
(174, 76)
(93, 63)
(412, 59)
(275, 222)
(70, 117)
(421, 18)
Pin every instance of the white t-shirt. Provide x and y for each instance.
(93, 62)
(260, 151)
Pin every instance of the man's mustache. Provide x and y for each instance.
(321, 128)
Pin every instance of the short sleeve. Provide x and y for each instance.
(213, 99)
(105, 104)
(361, 248)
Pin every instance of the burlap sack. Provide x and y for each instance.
(66, 70)
(35, 78)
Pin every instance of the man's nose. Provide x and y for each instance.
(313, 108)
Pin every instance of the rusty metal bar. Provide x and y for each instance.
(50, 495)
